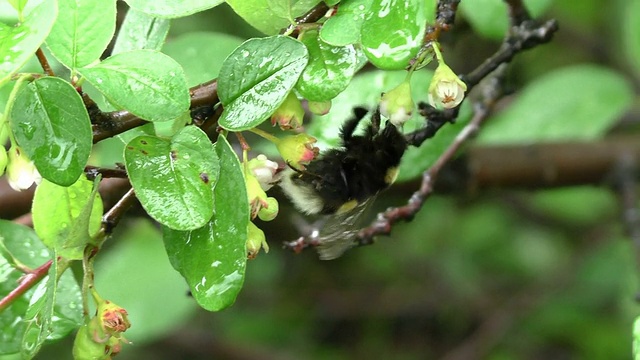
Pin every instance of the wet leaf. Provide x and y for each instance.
(269, 16)
(82, 31)
(140, 31)
(19, 43)
(23, 243)
(213, 258)
(256, 78)
(344, 27)
(66, 218)
(392, 32)
(329, 71)
(54, 310)
(172, 8)
(174, 178)
(147, 83)
(51, 124)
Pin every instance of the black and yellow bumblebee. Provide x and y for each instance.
(342, 181)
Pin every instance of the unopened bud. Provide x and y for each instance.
(320, 107)
(289, 114)
(21, 173)
(297, 150)
(397, 104)
(270, 211)
(264, 170)
(255, 241)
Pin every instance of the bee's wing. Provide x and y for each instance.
(338, 234)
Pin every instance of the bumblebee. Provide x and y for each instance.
(342, 181)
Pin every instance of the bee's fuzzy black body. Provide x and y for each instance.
(343, 177)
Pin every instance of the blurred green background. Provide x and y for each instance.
(500, 274)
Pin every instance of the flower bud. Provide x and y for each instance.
(320, 107)
(85, 347)
(263, 169)
(289, 114)
(446, 90)
(21, 172)
(256, 196)
(101, 337)
(297, 150)
(255, 241)
(397, 104)
(113, 318)
(270, 211)
(3, 160)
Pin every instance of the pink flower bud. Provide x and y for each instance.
(297, 150)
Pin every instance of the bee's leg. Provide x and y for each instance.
(349, 127)
(375, 120)
(303, 172)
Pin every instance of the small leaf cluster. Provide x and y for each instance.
(189, 180)
(185, 173)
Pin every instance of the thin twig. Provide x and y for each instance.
(27, 282)
(112, 217)
(44, 62)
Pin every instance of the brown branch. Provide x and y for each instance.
(112, 217)
(27, 282)
(106, 125)
(312, 16)
(44, 62)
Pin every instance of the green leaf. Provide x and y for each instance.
(19, 43)
(51, 124)
(66, 218)
(329, 71)
(574, 103)
(256, 78)
(631, 33)
(140, 31)
(23, 243)
(82, 31)
(270, 16)
(174, 179)
(139, 250)
(343, 28)
(201, 54)
(213, 258)
(147, 83)
(54, 311)
(390, 40)
(172, 8)
(489, 17)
